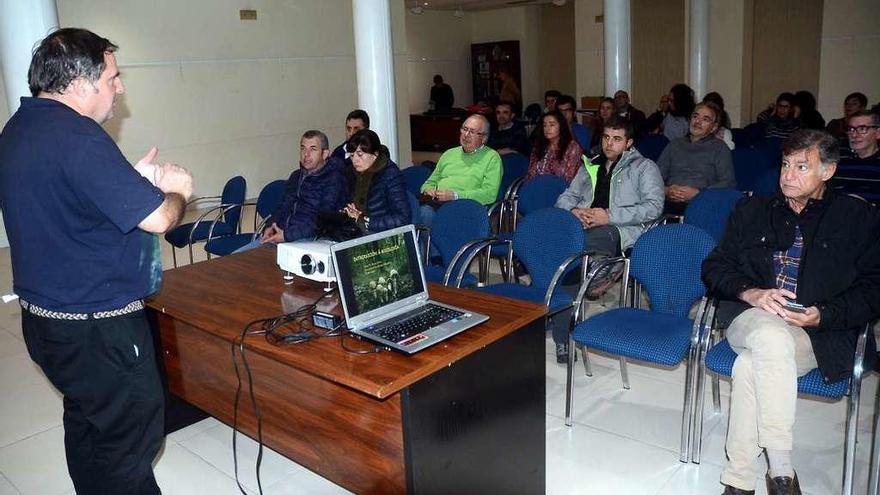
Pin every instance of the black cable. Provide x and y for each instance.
(269, 326)
(352, 350)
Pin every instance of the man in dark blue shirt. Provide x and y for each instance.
(80, 221)
(355, 121)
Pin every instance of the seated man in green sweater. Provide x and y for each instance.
(470, 171)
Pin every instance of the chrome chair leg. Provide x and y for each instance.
(874, 470)
(588, 368)
(569, 385)
(174, 256)
(687, 408)
(624, 374)
(716, 394)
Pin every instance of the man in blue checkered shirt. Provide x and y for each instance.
(801, 271)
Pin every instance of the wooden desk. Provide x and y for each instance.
(465, 416)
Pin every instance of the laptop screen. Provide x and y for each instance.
(378, 270)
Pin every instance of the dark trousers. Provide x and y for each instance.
(113, 398)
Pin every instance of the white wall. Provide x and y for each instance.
(726, 55)
(850, 59)
(440, 43)
(590, 52)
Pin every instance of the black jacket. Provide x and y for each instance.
(839, 269)
(307, 194)
(387, 203)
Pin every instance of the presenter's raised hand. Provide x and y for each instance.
(172, 178)
(146, 166)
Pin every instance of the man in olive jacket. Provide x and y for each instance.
(805, 245)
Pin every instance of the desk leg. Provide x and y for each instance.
(479, 425)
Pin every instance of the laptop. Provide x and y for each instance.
(385, 297)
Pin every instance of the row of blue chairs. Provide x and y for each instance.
(219, 226)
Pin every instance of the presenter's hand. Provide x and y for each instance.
(770, 300)
(146, 166)
(172, 178)
(272, 234)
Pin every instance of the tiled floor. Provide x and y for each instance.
(622, 442)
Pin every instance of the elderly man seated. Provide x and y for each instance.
(696, 161)
(802, 268)
(469, 171)
(613, 217)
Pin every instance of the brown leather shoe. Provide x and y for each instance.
(783, 485)
(732, 490)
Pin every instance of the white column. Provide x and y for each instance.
(22, 24)
(375, 68)
(699, 46)
(618, 66)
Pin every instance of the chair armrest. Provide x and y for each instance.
(223, 209)
(551, 289)
(859, 361)
(513, 190)
(578, 301)
(193, 201)
(470, 250)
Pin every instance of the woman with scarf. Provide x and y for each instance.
(378, 189)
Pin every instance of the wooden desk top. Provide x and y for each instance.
(223, 295)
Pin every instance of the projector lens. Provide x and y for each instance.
(307, 264)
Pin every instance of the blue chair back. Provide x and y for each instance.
(233, 193)
(457, 223)
(543, 240)
(415, 176)
(767, 181)
(710, 209)
(652, 145)
(540, 192)
(270, 198)
(666, 260)
(858, 178)
(749, 135)
(770, 146)
(414, 207)
(513, 166)
(748, 165)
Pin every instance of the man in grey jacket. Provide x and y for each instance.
(618, 196)
(696, 161)
(615, 199)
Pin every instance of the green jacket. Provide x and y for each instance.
(474, 175)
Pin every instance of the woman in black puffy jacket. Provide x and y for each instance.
(378, 190)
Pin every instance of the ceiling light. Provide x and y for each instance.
(417, 10)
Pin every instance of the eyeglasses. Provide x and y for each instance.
(860, 130)
(468, 130)
(704, 118)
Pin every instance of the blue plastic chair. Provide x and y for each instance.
(457, 224)
(415, 176)
(710, 209)
(748, 166)
(860, 179)
(538, 193)
(666, 261)
(719, 360)
(549, 242)
(514, 166)
(267, 202)
(652, 145)
(230, 207)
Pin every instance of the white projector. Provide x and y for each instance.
(308, 259)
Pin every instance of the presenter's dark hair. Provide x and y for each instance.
(618, 123)
(65, 55)
(362, 115)
(365, 139)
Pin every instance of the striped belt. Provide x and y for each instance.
(58, 315)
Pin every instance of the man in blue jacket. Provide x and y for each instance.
(319, 184)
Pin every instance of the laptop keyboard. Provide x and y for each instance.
(408, 324)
